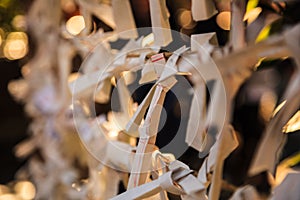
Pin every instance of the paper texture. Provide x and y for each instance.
(102, 11)
(147, 134)
(203, 9)
(160, 22)
(123, 17)
(153, 68)
(195, 128)
(178, 180)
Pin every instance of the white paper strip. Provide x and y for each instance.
(171, 68)
(102, 11)
(160, 22)
(176, 181)
(123, 17)
(147, 137)
(203, 9)
(152, 70)
(225, 145)
(196, 123)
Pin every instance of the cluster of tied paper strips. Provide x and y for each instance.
(67, 140)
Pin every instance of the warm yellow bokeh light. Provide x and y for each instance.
(15, 49)
(2, 36)
(16, 45)
(3, 189)
(25, 190)
(17, 35)
(75, 24)
(223, 20)
(19, 22)
(185, 19)
(9, 197)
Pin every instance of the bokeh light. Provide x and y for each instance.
(9, 197)
(16, 45)
(223, 20)
(4, 189)
(1, 36)
(25, 190)
(19, 22)
(185, 19)
(75, 24)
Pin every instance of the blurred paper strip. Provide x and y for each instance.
(196, 128)
(264, 19)
(247, 192)
(160, 22)
(293, 124)
(203, 9)
(101, 11)
(125, 24)
(237, 29)
(289, 188)
(273, 139)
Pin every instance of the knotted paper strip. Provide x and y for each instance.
(153, 68)
(178, 180)
(166, 78)
(148, 133)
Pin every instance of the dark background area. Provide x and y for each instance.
(13, 122)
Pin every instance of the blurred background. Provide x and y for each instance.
(253, 102)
